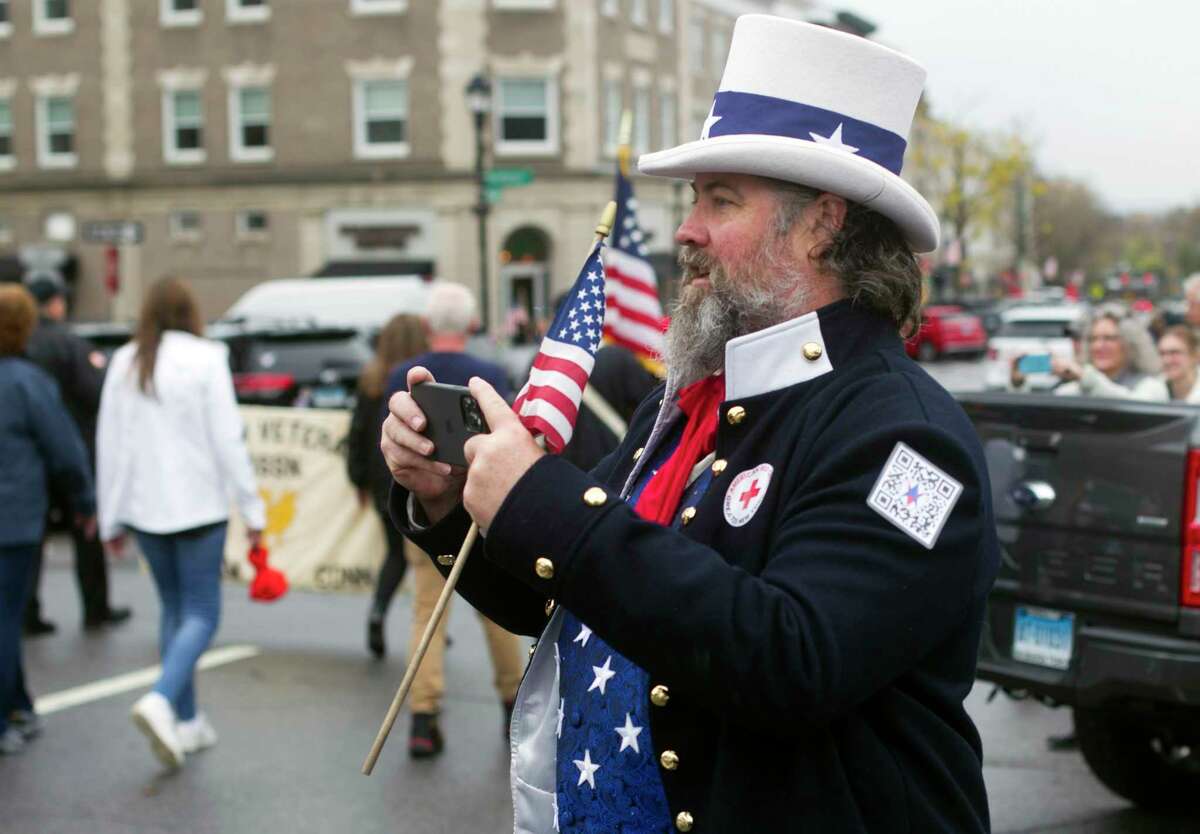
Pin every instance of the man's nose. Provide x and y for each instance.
(691, 232)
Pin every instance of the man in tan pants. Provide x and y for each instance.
(429, 685)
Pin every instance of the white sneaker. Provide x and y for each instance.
(153, 715)
(196, 734)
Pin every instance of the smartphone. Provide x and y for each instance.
(1034, 363)
(452, 418)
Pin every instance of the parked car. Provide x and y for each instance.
(1096, 606)
(105, 336)
(304, 341)
(1031, 330)
(946, 330)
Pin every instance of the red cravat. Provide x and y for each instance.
(699, 401)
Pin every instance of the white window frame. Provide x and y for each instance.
(235, 12)
(242, 229)
(639, 13)
(8, 161)
(642, 119)
(178, 234)
(51, 26)
(668, 119)
(45, 158)
(173, 154)
(237, 151)
(524, 147)
(363, 149)
(666, 16)
(373, 7)
(169, 16)
(610, 8)
(6, 26)
(613, 107)
(697, 47)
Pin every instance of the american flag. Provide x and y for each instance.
(549, 402)
(635, 315)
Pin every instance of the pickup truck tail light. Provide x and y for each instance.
(1189, 586)
(262, 383)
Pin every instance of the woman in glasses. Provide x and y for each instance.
(1177, 348)
(1117, 362)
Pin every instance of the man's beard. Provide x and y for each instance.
(762, 292)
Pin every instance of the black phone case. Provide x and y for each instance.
(445, 423)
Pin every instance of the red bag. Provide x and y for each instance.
(268, 584)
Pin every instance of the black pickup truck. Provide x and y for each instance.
(1097, 603)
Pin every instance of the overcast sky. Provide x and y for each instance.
(1108, 91)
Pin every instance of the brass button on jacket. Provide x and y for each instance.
(669, 760)
(812, 351)
(595, 497)
(684, 821)
(446, 559)
(544, 568)
(659, 696)
(719, 466)
(687, 515)
(735, 415)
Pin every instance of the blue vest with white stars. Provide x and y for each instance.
(607, 777)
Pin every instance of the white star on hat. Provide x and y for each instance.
(587, 770)
(710, 121)
(629, 734)
(603, 673)
(834, 140)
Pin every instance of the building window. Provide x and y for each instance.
(250, 124)
(52, 17)
(666, 16)
(7, 160)
(56, 132)
(610, 8)
(641, 120)
(180, 12)
(378, 6)
(613, 104)
(247, 11)
(252, 224)
(696, 44)
(524, 5)
(5, 20)
(526, 116)
(186, 226)
(381, 118)
(638, 14)
(717, 43)
(667, 120)
(183, 126)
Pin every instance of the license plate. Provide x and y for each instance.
(1044, 637)
(329, 396)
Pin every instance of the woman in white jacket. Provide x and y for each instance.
(170, 459)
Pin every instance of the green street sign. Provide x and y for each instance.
(507, 177)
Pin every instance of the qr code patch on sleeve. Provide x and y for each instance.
(914, 495)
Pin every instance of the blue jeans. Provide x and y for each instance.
(16, 570)
(187, 571)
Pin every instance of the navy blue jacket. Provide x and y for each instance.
(813, 658)
(40, 446)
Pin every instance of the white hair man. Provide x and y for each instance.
(1191, 293)
(761, 613)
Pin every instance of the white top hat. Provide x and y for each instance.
(813, 106)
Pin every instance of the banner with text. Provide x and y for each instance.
(317, 532)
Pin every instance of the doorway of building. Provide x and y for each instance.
(525, 283)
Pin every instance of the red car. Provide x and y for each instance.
(946, 330)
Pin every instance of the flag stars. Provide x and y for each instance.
(587, 769)
(562, 708)
(582, 637)
(629, 734)
(593, 276)
(603, 675)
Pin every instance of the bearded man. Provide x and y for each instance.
(761, 612)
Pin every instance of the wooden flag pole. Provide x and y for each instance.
(414, 663)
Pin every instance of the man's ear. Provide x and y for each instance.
(825, 217)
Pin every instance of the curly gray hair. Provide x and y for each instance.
(1140, 354)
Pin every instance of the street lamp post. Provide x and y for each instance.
(479, 100)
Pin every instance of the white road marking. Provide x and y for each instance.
(88, 692)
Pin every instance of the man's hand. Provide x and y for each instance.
(497, 460)
(116, 545)
(438, 486)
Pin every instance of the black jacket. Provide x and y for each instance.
(365, 465)
(816, 657)
(66, 357)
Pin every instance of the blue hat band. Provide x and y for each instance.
(737, 113)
